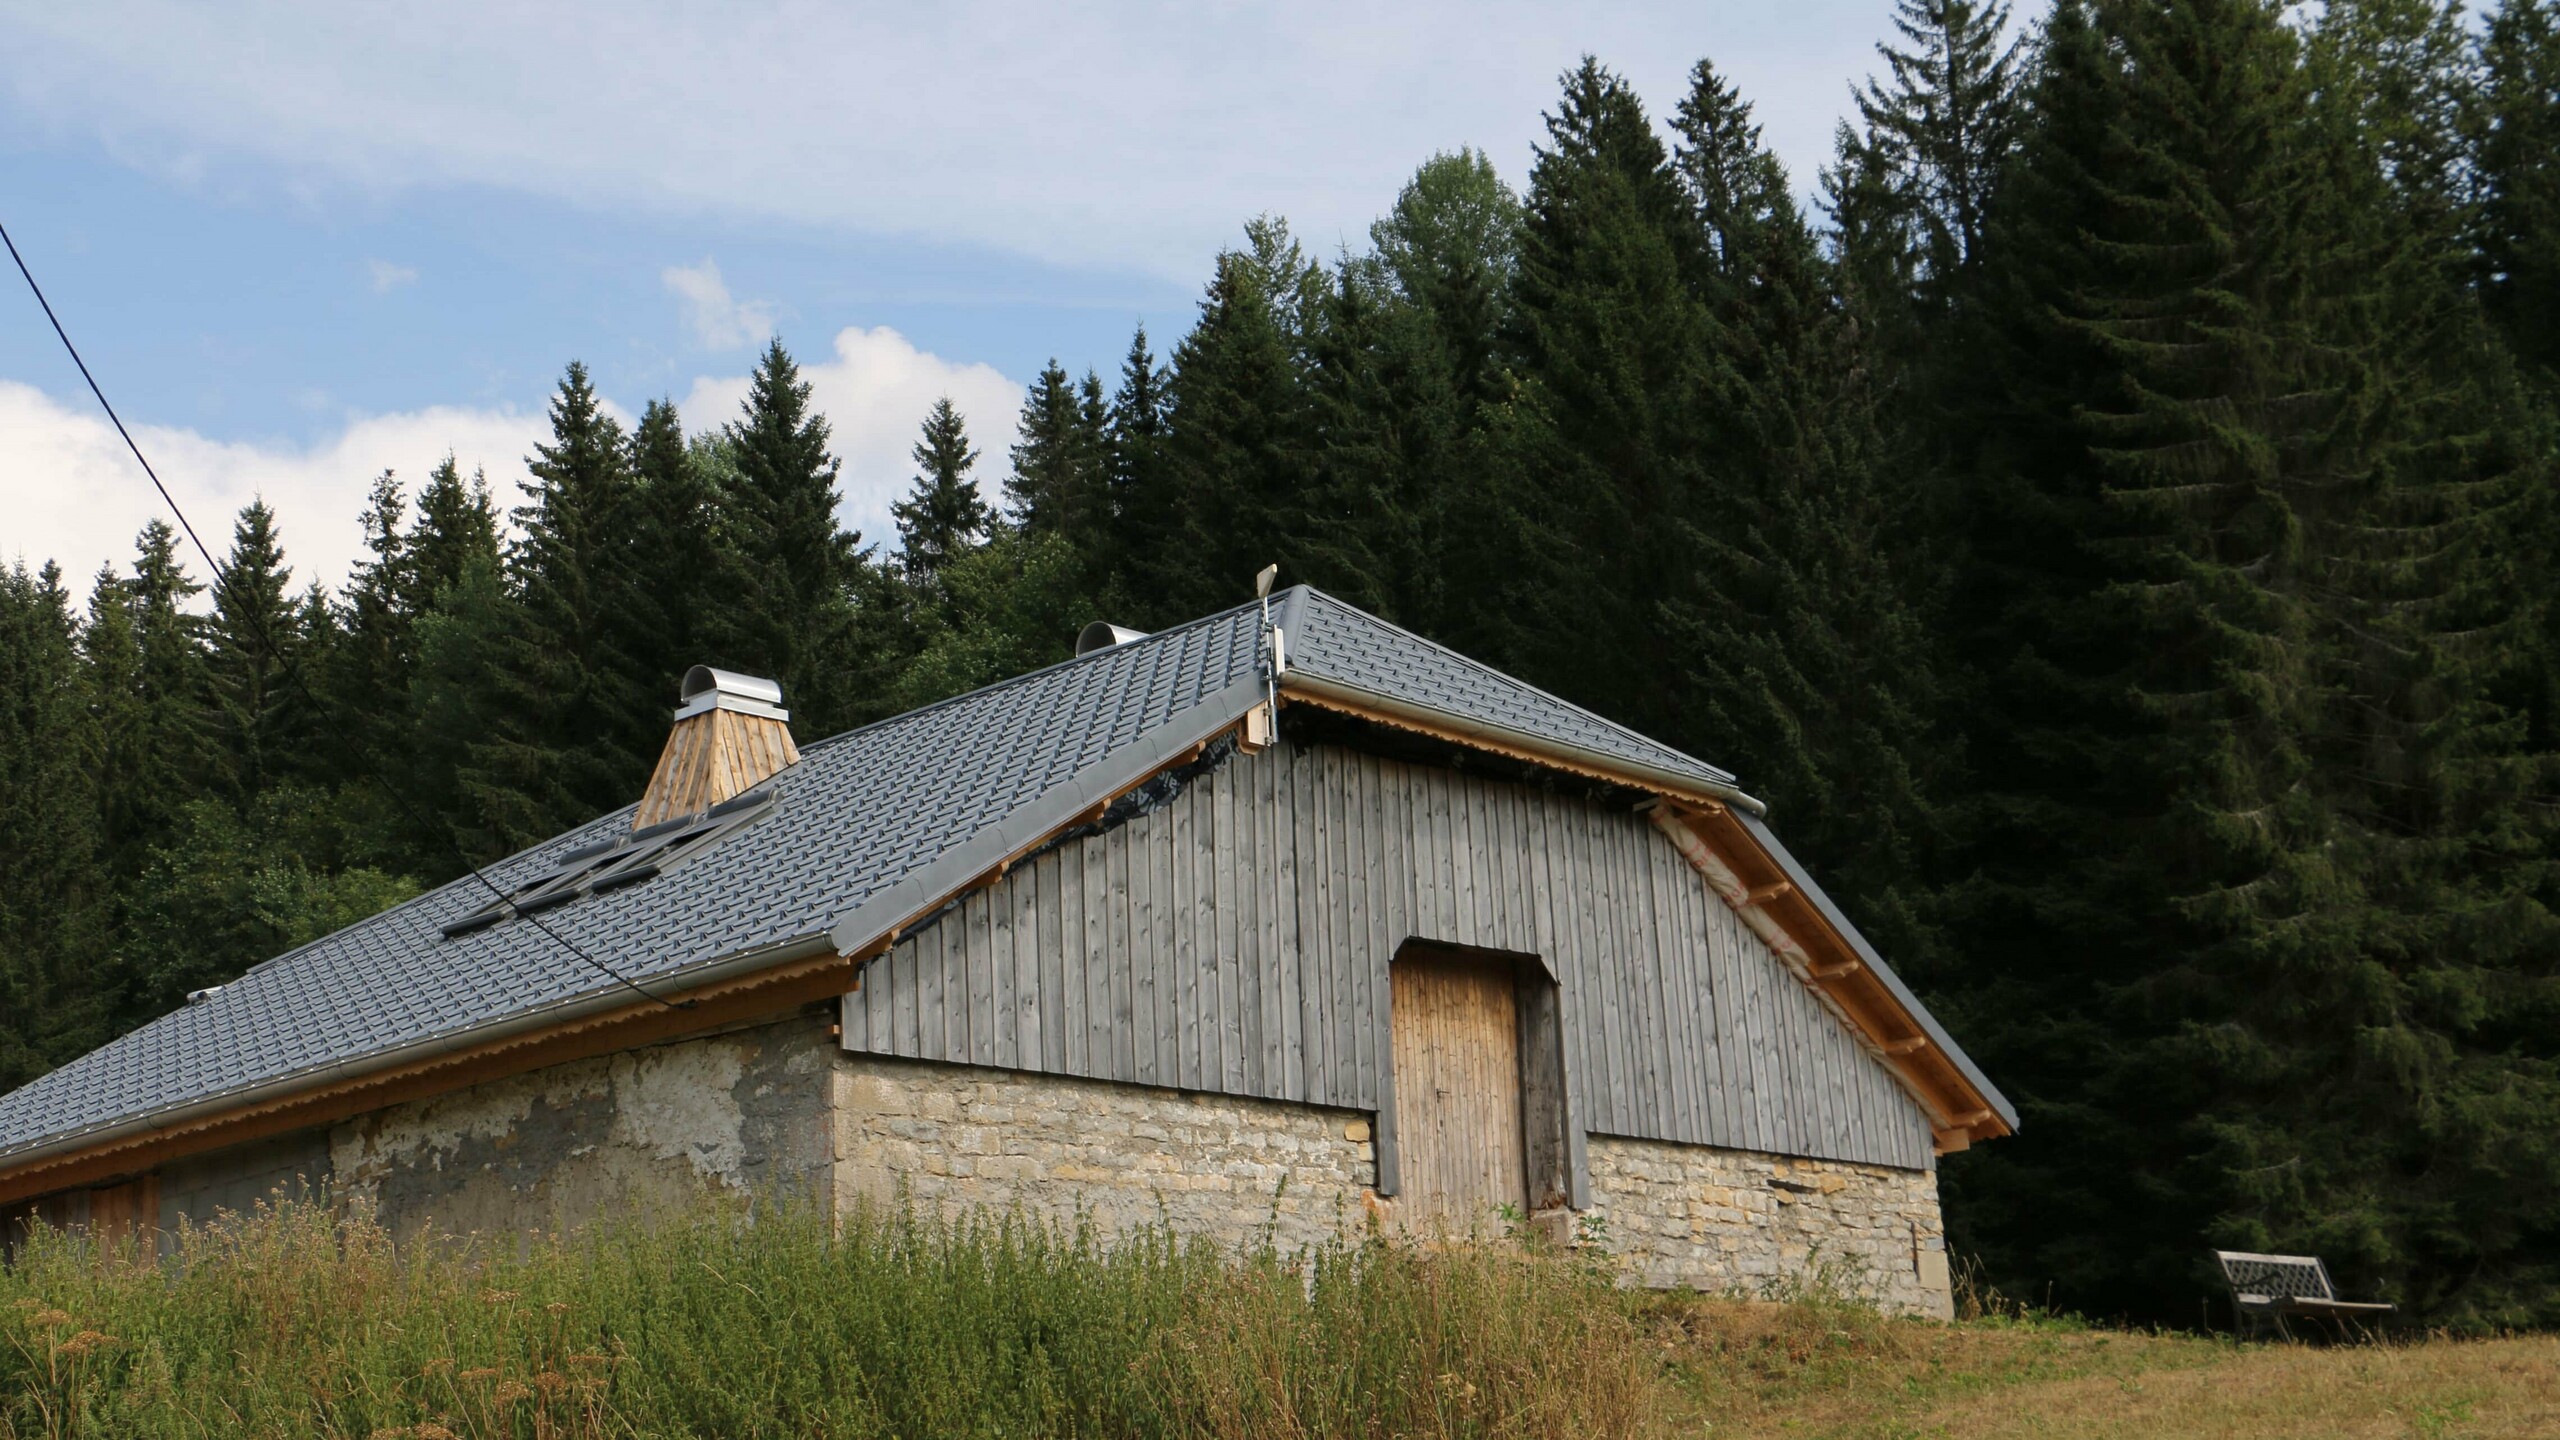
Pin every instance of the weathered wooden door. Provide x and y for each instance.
(1457, 1069)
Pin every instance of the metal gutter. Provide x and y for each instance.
(1671, 780)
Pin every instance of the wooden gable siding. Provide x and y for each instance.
(1237, 940)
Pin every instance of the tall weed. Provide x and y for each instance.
(307, 1319)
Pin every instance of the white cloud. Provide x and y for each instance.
(76, 496)
(874, 392)
(718, 321)
(388, 277)
(1125, 134)
(73, 493)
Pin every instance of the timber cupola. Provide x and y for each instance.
(731, 734)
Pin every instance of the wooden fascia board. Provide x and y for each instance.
(745, 997)
(1525, 753)
(1747, 879)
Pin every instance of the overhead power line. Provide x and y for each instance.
(292, 671)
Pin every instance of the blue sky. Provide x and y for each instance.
(300, 243)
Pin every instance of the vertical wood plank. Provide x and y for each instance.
(1162, 877)
(1143, 901)
(1031, 1033)
(979, 914)
(1235, 985)
(1120, 939)
(1719, 981)
(1304, 826)
(1261, 884)
(1191, 997)
(933, 1039)
(1289, 914)
(1345, 936)
(1678, 921)
(1075, 1021)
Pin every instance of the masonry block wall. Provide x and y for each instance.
(741, 1113)
(777, 1106)
(1735, 1221)
(1241, 1172)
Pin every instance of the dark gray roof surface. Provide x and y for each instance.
(1356, 648)
(868, 823)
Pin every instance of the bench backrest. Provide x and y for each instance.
(2276, 1277)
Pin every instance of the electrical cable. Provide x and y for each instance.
(292, 671)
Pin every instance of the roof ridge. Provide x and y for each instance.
(841, 736)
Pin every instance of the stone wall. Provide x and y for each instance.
(1240, 1171)
(239, 1178)
(740, 1112)
(1733, 1220)
(777, 1107)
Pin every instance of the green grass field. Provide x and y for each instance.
(303, 1323)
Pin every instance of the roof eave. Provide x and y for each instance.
(132, 1130)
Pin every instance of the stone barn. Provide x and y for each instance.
(1279, 923)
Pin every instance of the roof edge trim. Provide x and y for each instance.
(1993, 1100)
(921, 892)
(1746, 868)
(1369, 704)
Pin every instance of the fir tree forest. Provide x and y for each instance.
(2108, 514)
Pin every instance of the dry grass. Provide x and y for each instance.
(310, 1322)
(1830, 1370)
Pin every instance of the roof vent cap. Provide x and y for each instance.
(1102, 635)
(707, 689)
(198, 997)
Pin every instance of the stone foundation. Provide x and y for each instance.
(1241, 1172)
(778, 1108)
(741, 1112)
(1736, 1221)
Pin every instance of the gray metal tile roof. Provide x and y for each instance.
(869, 825)
(1356, 648)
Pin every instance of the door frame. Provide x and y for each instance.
(1553, 1144)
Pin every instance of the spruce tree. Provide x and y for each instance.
(795, 624)
(684, 572)
(1804, 658)
(53, 890)
(1403, 371)
(2200, 785)
(1938, 130)
(1059, 485)
(174, 689)
(1237, 432)
(365, 677)
(456, 529)
(1604, 442)
(1147, 510)
(258, 723)
(2516, 131)
(943, 517)
(574, 732)
(111, 663)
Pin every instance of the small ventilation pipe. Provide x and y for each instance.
(1102, 635)
(731, 734)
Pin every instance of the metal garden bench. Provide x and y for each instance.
(2269, 1290)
